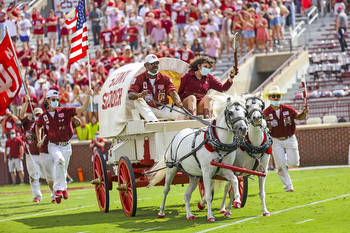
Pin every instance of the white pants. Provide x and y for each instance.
(61, 156)
(151, 114)
(34, 169)
(46, 162)
(285, 153)
(15, 165)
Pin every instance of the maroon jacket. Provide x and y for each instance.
(190, 85)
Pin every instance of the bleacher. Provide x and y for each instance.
(327, 78)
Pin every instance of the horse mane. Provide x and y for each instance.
(220, 101)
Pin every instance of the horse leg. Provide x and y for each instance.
(230, 176)
(226, 190)
(262, 180)
(208, 196)
(262, 195)
(203, 202)
(191, 187)
(170, 174)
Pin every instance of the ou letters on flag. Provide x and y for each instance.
(10, 80)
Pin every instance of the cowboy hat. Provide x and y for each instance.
(273, 90)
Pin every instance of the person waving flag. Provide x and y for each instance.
(78, 25)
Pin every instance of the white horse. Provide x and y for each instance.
(255, 153)
(190, 152)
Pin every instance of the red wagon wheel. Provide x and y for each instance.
(101, 181)
(243, 189)
(127, 186)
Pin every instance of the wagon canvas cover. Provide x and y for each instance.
(114, 106)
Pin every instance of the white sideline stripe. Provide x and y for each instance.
(4, 198)
(149, 229)
(275, 212)
(83, 231)
(1, 202)
(317, 167)
(49, 212)
(307, 220)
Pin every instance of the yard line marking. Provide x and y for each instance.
(4, 198)
(275, 212)
(307, 220)
(1, 202)
(83, 231)
(49, 212)
(149, 229)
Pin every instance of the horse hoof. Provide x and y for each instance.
(161, 216)
(200, 206)
(191, 218)
(227, 215)
(211, 219)
(236, 205)
(267, 214)
(222, 211)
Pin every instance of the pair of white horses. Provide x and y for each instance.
(188, 152)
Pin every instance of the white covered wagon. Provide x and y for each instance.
(136, 144)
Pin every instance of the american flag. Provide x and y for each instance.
(78, 25)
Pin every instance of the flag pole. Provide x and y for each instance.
(20, 72)
(88, 58)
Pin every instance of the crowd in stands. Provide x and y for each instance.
(126, 31)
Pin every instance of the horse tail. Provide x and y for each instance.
(156, 173)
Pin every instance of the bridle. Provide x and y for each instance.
(254, 101)
(230, 120)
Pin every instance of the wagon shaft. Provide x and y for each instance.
(237, 169)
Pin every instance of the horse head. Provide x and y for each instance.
(235, 117)
(255, 107)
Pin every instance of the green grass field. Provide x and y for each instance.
(320, 203)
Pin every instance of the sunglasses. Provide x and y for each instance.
(55, 100)
(275, 96)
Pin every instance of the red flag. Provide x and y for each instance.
(10, 80)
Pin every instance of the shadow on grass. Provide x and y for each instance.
(146, 218)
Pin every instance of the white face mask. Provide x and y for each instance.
(275, 102)
(12, 135)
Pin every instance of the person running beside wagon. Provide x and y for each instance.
(197, 82)
(280, 120)
(58, 123)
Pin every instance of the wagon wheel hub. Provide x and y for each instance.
(122, 187)
(96, 181)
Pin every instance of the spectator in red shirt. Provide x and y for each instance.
(119, 32)
(8, 123)
(151, 86)
(280, 119)
(51, 25)
(25, 55)
(107, 38)
(181, 16)
(45, 56)
(185, 54)
(38, 23)
(133, 33)
(197, 82)
(167, 25)
(14, 155)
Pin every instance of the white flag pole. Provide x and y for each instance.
(20, 71)
(88, 58)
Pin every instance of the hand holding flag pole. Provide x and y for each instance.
(234, 70)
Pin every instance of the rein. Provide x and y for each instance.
(188, 114)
